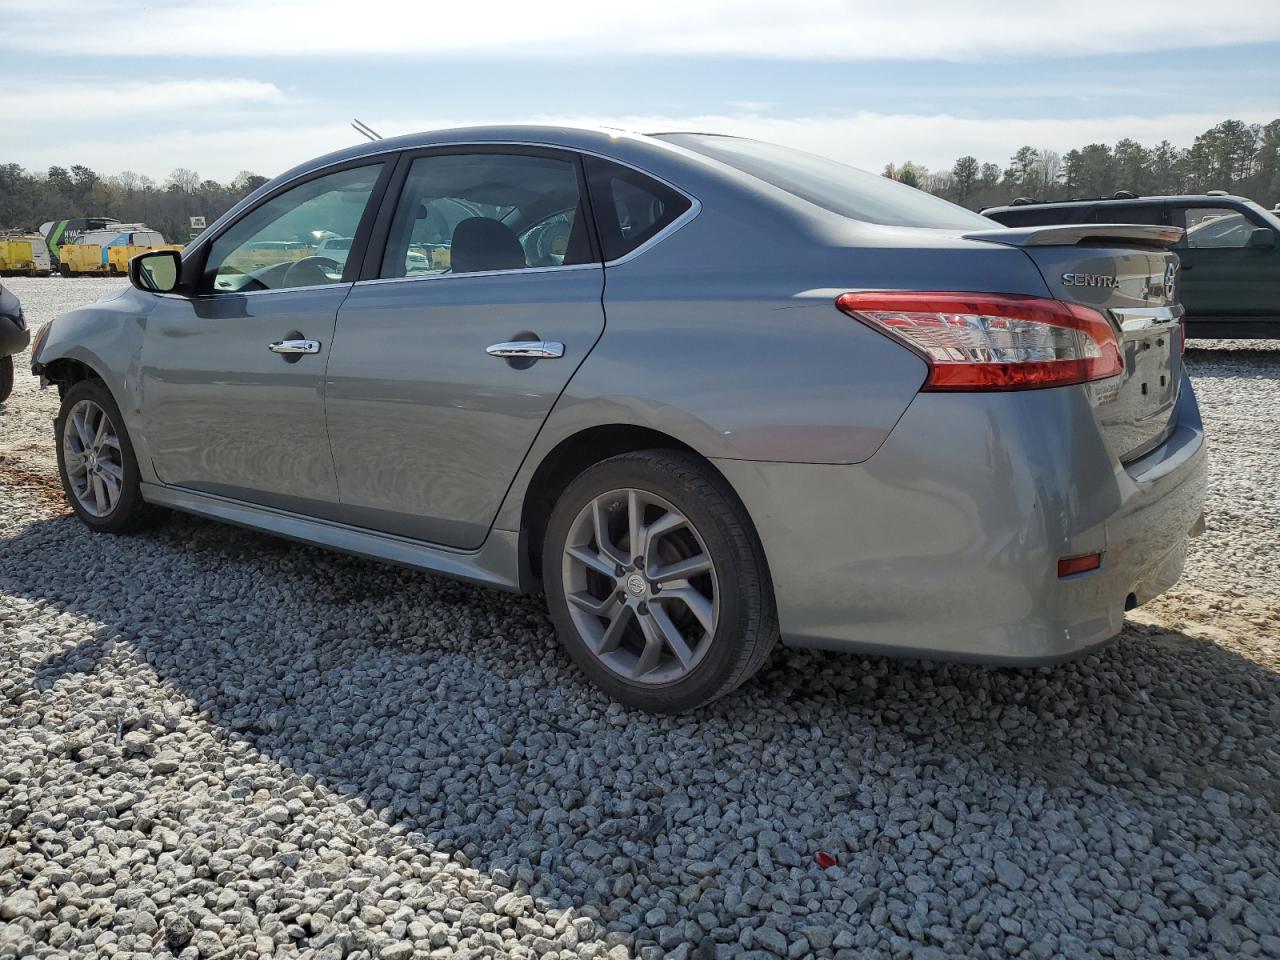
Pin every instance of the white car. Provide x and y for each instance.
(335, 248)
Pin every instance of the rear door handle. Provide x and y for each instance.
(527, 350)
(294, 346)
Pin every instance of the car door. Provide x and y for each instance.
(451, 351)
(233, 375)
(1223, 273)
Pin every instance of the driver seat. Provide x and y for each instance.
(482, 243)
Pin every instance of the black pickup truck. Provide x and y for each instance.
(1230, 253)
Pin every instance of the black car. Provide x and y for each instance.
(1230, 254)
(14, 337)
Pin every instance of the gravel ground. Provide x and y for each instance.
(218, 744)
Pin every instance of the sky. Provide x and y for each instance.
(221, 86)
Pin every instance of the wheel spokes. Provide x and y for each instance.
(612, 637)
(82, 430)
(604, 544)
(103, 430)
(95, 477)
(655, 531)
(630, 586)
(593, 605)
(698, 605)
(682, 569)
(654, 644)
(99, 494)
(671, 634)
(593, 561)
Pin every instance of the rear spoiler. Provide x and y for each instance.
(1083, 234)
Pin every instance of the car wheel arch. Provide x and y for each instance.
(66, 372)
(567, 460)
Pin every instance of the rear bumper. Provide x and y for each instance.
(945, 543)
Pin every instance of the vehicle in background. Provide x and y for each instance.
(825, 408)
(108, 251)
(1230, 252)
(24, 254)
(14, 337)
(335, 248)
(58, 232)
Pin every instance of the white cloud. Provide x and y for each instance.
(867, 140)
(802, 30)
(95, 98)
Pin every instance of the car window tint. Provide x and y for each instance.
(477, 212)
(1121, 213)
(631, 208)
(833, 186)
(280, 243)
(1217, 227)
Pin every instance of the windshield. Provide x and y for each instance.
(833, 186)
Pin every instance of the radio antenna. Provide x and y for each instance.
(365, 130)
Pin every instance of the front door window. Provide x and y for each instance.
(294, 239)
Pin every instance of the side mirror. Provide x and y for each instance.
(1263, 237)
(157, 271)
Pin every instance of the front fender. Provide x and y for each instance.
(107, 338)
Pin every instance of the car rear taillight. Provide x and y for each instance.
(993, 341)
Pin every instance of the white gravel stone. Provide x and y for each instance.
(217, 744)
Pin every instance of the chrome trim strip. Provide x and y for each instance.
(478, 273)
(1134, 319)
(252, 293)
(695, 208)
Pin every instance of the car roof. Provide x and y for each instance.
(606, 140)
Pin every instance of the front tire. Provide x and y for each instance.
(657, 583)
(6, 378)
(96, 462)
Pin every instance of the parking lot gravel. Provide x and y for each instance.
(218, 744)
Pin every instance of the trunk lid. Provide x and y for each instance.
(1129, 274)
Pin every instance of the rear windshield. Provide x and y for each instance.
(833, 186)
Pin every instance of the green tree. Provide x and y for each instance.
(965, 176)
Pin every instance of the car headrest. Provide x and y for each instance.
(481, 243)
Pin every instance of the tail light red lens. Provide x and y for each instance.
(993, 341)
(1070, 566)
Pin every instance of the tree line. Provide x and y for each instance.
(29, 199)
(1241, 158)
(1234, 156)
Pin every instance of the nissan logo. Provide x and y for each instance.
(1170, 280)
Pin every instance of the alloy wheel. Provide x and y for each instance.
(641, 586)
(92, 458)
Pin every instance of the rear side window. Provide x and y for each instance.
(1030, 216)
(1222, 227)
(842, 189)
(630, 208)
(1119, 213)
(478, 212)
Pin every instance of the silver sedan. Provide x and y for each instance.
(707, 393)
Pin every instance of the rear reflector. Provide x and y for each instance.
(1072, 565)
(993, 341)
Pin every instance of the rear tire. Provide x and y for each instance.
(6, 378)
(96, 462)
(690, 618)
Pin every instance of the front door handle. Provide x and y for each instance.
(294, 346)
(527, 350)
